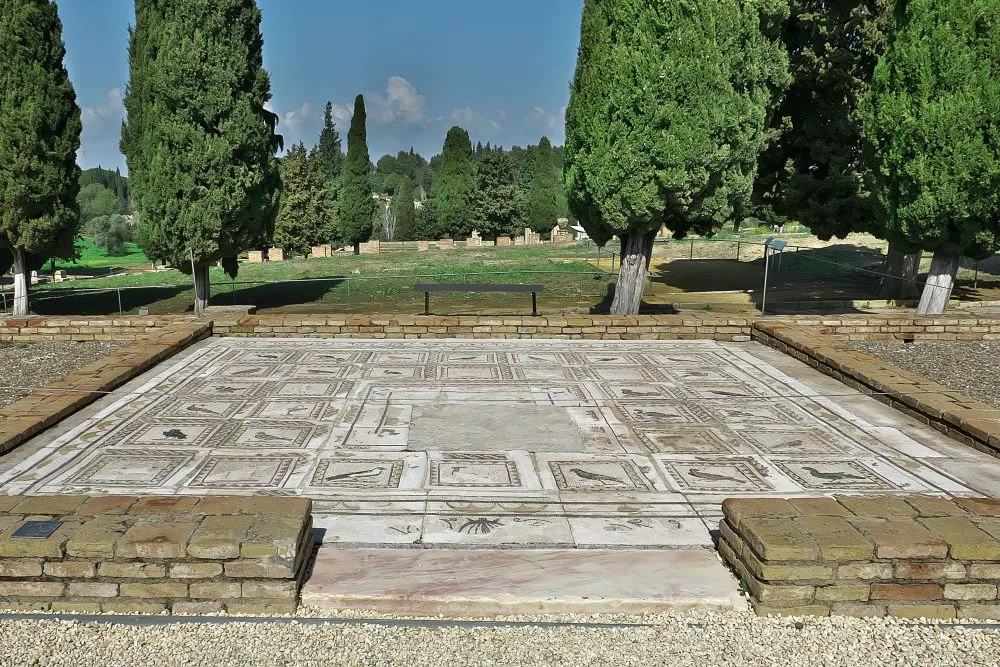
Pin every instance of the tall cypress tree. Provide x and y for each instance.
(304, 217)
(39, 136)
(331, 154)
(456, 184)
(496, 204)
(668, 113)
(406, 212)
(931, 120)
(546, 194)
(357, 208)
(199, 143)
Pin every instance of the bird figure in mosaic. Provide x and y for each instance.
(267, 437)
(175, 434)
(596, 477)
(200, 410)
(712, 477)
(356, 474)
(832, 476)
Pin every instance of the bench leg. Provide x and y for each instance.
(427, 303)
(534, 305)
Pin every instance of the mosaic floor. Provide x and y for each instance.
(475, 443)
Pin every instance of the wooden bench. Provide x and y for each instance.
(427, 288)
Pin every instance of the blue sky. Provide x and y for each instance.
(499, 69)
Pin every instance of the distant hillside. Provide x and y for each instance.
(112, 180)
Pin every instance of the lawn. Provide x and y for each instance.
(93, 259)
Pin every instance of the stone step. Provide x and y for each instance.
(464, 582)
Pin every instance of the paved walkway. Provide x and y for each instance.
(540, 444)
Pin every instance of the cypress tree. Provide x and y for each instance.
(456, 184)
(304, 217)
(39, 137)
(199, 143)
(406, 212)
(930, 121)
(668, 113)
(357, 208)
(331, 153)
(496, 203)
(546, 196)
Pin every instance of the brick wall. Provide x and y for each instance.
(182, 554)
(82, 328)
(908, 557)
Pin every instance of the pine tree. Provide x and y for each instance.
(39, 137)
(199, 143)
(331, 154)
(456, 184)
(495, 204)
(406, 213)
(667, 117)
(930, 120)
(546, 194)
(357, 208)
(304, 216)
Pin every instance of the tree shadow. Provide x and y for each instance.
(77, 301)
(274, 295)
(603, 307)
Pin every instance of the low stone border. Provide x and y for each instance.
(182, 554)
(43, 408)
(961, 417)
(908, 557)
(83, 328)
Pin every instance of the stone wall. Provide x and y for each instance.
(909, 557)
(961, 417)
(182, 554)
(43, 408)
(84, 328)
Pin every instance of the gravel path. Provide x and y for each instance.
(24, 366)
(729, 639)
(965, 366)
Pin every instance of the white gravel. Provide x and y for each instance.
(729, 639)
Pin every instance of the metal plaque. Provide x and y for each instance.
(38, 530)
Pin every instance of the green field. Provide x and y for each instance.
(92, 259)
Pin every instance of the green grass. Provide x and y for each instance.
(92, 257)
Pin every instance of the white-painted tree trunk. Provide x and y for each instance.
(202, 288)
(940, 282)
(20, 273)
(901, 269)
(637, 248)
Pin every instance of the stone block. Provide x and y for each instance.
(215, 590)
(274, 537)
(276, 254)
(49, 505)
(256, 257)
(255, 570)
(965, 540)
(933, 611)
(864, 571)
(219, 505)
(886, 507)
(970, 592)
(24, 606)
(196, 608)
(164, 505)
(842, 593)
(106, 505)
(155, 540)
(446, 244)
(153, 590)
(195, 570)
(132, 570)
(219, 537)
(981, 506)
(934, 506)
(91, 590)
(819, 507)
(857, 610)
(779, 540)
(982, 612)
(11, 569)
(71, 569)
(269, 589)
(801, 610)
(902, 538)
(75, 607)
(929, 571)
(984, 571)
(882, 591)
(31, 589)
(261, 607)
(837, 539)
(50, 547)
(423, 246)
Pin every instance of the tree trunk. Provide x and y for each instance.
(20, 272)
(637, 248)
(357, 248)
(202, 288)
(940, 281)
(900, 279)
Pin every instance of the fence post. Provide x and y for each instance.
(767, 261)
(737, 251)
(691, 252)
(976, 285)
(119, 290)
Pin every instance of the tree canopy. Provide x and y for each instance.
(39, 136)
(331, 154)
(357, 207)
(305, 216)
(546, 194)
(668, 114)
(199, 141)
(406, 214)
(455, 184)
(496, 204)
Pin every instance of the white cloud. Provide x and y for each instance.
(540, 118)
(296, 118)
(112, 108)
(471, 119)
(401, 101)
(101, 131)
